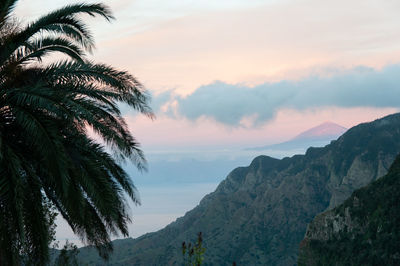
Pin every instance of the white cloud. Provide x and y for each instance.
(234, 105)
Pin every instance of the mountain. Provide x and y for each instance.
(314, 137)
(327, 130)
(259, 214)
(364, 230)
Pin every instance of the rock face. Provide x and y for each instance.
(364, 230)
(259, 214)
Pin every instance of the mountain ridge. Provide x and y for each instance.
(364, 230)
(259, 213)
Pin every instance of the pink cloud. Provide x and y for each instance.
(279, 41)
(167, 133)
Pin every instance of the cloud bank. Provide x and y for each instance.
(231, 104)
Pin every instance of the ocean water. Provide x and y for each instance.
(175, 183)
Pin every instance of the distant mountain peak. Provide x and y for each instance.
(317, 136)
(324, 130)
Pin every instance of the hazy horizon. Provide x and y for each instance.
(229, 75)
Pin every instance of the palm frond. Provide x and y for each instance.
(39, 48)
(55, 22)
(6, 8)
(46, 153)
(128, 89)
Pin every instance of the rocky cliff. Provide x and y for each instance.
(364, 230)
(258, 215)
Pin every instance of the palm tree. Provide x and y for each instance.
(46, 154)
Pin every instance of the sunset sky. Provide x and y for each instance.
(240, 73)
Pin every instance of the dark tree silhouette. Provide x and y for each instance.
(46, 153)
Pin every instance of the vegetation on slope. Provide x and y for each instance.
(364, 230)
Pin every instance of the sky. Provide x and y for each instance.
(231, 74)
